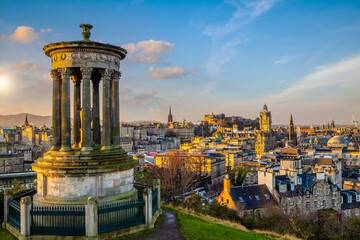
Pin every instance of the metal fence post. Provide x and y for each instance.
(7, 195)
(147, 195)
(25, 218)
(91, 217)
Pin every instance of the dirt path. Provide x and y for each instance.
(167, 229)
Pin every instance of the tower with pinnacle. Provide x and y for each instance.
(292, 136)
(170, 117)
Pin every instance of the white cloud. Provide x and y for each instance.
(166, 73)
(146, 52)
(23, 34)
(25, 66)
(342, 74)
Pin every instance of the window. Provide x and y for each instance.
(327, 191)
(333, 202)
(241, 199)
(307, 206)
(356, 211)
(291, 202)
(324, 203)
(257, 197)
(315, 204)
(227, 201)
(342, 199)
(250, 197)
(315, 192)
(222, 199)
(349, 198)
(267, 196)
(358, 197)
(299, 181)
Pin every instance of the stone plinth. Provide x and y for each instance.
(71, 177)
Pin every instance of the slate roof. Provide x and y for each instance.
(254, 196)
(353, 203)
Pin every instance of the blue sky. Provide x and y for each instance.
(299, 57)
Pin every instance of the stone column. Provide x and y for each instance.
(115, 110)
(96, 112)
(65, 109)
(106, 130)
(56, 111)
(25, 218)
(147, 196)
(7, 195)
(91, 217)
(86, 110)
(77, 108)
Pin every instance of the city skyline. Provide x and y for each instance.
(223, 57)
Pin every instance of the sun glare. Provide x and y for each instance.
(3, 83)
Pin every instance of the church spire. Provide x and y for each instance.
(170, 117)
(26, 120)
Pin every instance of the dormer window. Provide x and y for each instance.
(358, 197)
(241, 199)
(267, 196)
(257, 197)
(299, 181)
(349, 198)
(250, 197)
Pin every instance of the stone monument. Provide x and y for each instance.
(92, 163)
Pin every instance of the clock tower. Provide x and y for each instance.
(265, 119)
(265, 138)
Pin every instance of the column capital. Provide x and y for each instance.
(116, 76)
(86, 71)
(65, 72)
(107, 74)
(54, 74)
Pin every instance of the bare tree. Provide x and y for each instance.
(177, 173)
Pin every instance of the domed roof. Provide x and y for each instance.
(337, 141)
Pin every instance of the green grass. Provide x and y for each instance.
(197, 228)
(193, 228)
(5, 235)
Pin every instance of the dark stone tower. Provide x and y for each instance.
(26, 120)
(292, 136)
(170, 117)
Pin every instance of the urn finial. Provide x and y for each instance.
(86, 31)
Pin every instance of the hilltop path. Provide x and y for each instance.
(167, 229)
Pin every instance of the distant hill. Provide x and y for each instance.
(19, 119)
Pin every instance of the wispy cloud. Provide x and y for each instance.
(166, 73)
(20, 107)
(227, 37)
(25, 66)
(342, 74)
(284, 59)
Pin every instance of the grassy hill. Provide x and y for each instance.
(202, 227)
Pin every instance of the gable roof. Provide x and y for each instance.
(253, 196)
